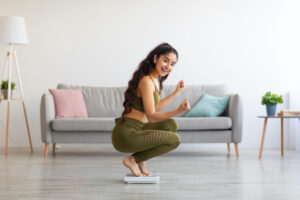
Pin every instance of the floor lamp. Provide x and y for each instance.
(13, 32)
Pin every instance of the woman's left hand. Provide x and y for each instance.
(180, 86)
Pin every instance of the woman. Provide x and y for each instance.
(132, 133)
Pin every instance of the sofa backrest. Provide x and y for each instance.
(101, 101)
(108, 101)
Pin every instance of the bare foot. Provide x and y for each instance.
(143, 168)
(130, 163)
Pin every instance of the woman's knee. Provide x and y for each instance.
(172, 125)
(175, 141)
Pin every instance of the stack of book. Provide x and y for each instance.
(289, 113)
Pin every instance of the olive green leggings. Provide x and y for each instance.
(144, 140)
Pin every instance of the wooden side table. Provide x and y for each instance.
(265, 128)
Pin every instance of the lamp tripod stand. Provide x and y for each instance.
(12, 55)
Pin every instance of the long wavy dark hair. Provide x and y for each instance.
(145, 68)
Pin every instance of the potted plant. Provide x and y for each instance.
(4, 88)
(271, 100)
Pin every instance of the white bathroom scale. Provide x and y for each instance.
(130, 178)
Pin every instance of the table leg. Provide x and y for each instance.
(263, 137)
(282, 151)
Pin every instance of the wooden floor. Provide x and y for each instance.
(186, 173)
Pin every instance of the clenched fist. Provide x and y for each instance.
(184, 106)
(180, 86)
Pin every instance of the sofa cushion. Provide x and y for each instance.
(84, 124)
(69, 103)
(203, 123)
(208, 106)
(107, 124)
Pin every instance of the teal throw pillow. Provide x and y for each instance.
(209, 106)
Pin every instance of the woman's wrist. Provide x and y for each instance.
(178, 111)
(176, 92)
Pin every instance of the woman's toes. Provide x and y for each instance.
(140, 175)
(148, 174)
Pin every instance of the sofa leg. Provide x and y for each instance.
(53, 148)
(236, 149)
(46, 150)
(228, 147)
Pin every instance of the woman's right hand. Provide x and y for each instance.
(184, 106)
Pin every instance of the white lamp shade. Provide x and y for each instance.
(13, 30)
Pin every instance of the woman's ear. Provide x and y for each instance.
(155, 59)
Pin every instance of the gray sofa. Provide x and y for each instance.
(104, 104)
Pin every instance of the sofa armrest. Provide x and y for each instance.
(235, 112)
(47, 115)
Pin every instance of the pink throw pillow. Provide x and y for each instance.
(69, 103)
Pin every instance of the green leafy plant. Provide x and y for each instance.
(4, 85)
(271, 99)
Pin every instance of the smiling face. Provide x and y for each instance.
(165, 63)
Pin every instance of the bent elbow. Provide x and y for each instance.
(151, 117)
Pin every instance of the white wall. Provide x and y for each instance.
(252, 46)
